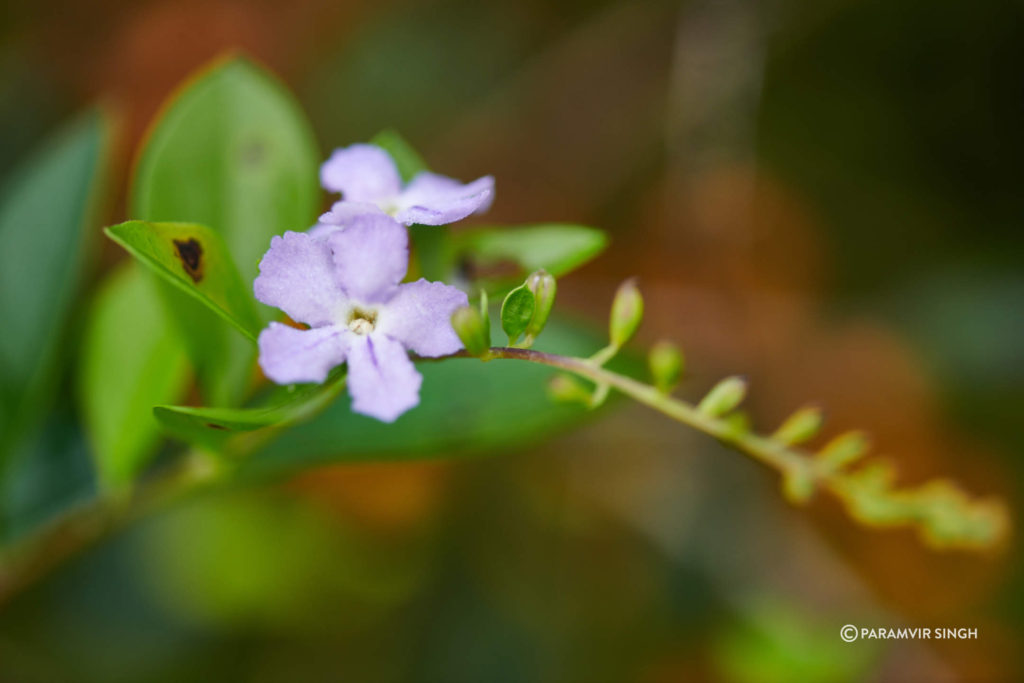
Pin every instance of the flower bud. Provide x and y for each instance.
(542, 284)
(797, 486)
(469, 325)
(567, 389)
(665, 362)
(844, 449)
(799, 427)
(725, 396)
(627, 312)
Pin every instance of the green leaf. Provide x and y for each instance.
(49, 471)
(232, 151)
(194, 259)
(499, 406)
(555, 247)
(132, 359)
(46, 211)
(212, 427)
(517, 312)
(407, 159)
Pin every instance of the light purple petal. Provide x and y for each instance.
(432, 199)
(288, 355)
(382, 380)
(320, 231)
(371, 256)
(419, 316)
(362, 173)
(343, 212)
(297, 276)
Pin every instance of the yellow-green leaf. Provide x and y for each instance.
(194, 259)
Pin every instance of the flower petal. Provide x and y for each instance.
(288, 355)
(342, 213)
(432, 199)
(371, 256)
(362, 173)
(382, 380)
(419, 316)
(297, 275)
(320, 231)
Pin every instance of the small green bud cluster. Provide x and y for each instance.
(525, 310)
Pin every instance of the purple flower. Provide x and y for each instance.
(369, 182)
(346, 287)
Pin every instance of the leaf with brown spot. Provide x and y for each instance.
(232, 150)
(195, 260)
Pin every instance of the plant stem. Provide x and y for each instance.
(760, 448)
(944, 516)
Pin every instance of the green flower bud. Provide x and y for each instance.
(797, 486)
(844, 449)
(627, 312)
(725, 396)
(799, 427)
(485, 313)
(567, 389)
(469, 325)
(543, 286)
(665, 362)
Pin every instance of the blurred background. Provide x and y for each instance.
(824, 196)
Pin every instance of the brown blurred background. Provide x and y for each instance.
(824, 196)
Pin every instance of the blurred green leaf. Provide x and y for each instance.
(407, 159)
(212, 427)
(232, 151)
(132, 359)
(517, 312)
(249, 559)
(555, 247)
(48, 473)
(775, 642)
(194, 259)
(498, 406)
(45, 212)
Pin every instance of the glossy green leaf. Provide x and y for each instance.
(194, 259)
(46, 210)
(555, 247)
(407, 159)
(132, 359)
(232, 151)
(517, 312)
(467, 408)
(212, 427)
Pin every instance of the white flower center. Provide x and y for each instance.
(361, 321)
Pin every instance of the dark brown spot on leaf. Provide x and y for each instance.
(216, 426)
(191, 254)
